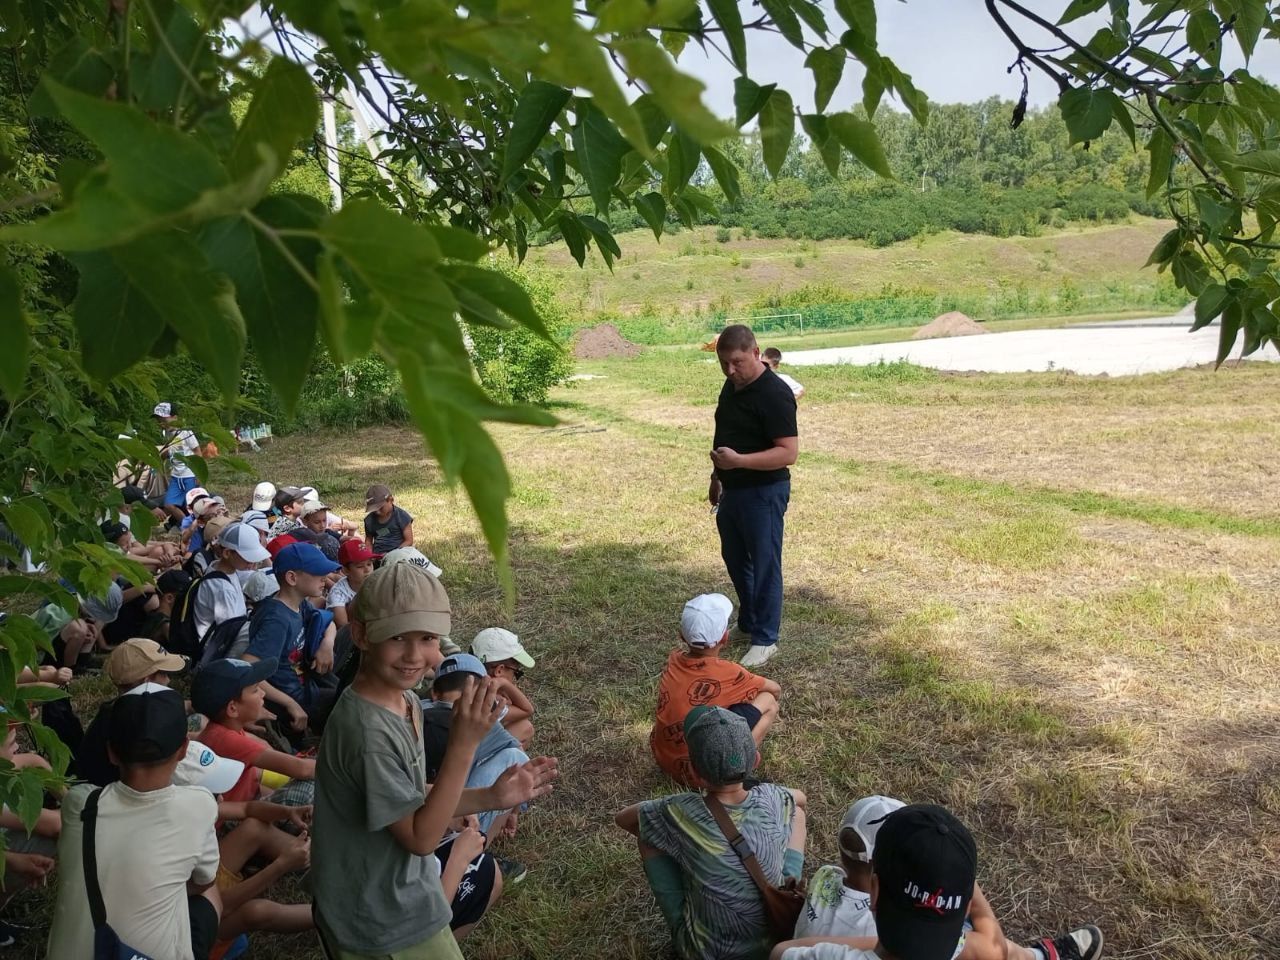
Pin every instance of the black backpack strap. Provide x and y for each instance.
(89, 817)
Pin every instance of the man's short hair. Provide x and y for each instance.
(773, 353)
(735, 337)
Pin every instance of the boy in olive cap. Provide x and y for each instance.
(706, 895)
(921, 888)
(374, 876)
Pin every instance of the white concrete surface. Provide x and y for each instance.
(1117, 351)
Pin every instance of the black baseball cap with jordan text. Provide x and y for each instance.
(926, 864)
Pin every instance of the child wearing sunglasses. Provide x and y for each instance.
(506, 660)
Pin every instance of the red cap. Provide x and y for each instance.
(276, 544)
(355, 551)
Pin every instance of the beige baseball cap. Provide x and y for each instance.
(136, 659)
(402, 598)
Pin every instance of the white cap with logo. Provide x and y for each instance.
(705, 619)
(201, 767)
(493, 645)
(263, 494)
(244, 540)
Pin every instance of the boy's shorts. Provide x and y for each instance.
(485, 774)
(204, 926)
(176, 495)
(474, 889)
(439, 946)
(747, 712)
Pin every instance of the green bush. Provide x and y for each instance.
(517, 366)
(724, 235)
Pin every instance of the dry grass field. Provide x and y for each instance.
(1047, 601)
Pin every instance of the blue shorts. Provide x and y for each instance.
(176, 495)
(485, 773)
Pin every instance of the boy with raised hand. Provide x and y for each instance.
(696, 675)
(374, 875)
(387, 527)
(700, 881)
(910, 892)
(156, 849)
(299, 689)
(231, 694)
(179, 445)
(505, 659)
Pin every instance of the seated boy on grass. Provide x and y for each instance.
(506, 660)
(156, 849)
(374, 877)
(703, 889)
(696, 675)
(255, 837)
(231, 693)
(387, 527)
(356, 560)
(906, 890)
(498, 751)
(301, 690)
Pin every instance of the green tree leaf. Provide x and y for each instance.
(679, 94)
(777, 127)
(828, 147)
(827, 64)
(606, 244)
(281, 115)
(729, 17)
(785, 19)
(497, 289)
(811, 14)
(13, 334)
(749, 99)
(600, 149)
(859, 137)
(174, 277)
(725, 172)
(117, 325)
(1121, 110)
(1250, 19)
(1265, 162)
(1080, 8)
(1211, 302)
(1203, 35)
(539, 105)
(1087, 112)
(872, 88)
(1229, 329)
(1160, 150)
(860, 38)
(683, 155)
(574, 234)
(1169, 244)
(653, 208)
(279, 304)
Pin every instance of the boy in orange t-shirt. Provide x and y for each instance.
(697, 675)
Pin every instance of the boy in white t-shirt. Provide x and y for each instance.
(178, 443)
(839, 919)
(357, 563)
(773, 357)
(155, 846)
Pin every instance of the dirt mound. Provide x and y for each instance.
(953, 324)
(601, 341)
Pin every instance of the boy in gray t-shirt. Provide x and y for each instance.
(374, 877)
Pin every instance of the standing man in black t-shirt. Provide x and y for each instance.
(755, 442)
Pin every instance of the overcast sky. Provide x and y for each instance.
(952, 49)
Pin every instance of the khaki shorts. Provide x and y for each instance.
(442, 946)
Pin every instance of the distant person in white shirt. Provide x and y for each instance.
(773, 356)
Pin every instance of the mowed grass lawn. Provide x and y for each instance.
(1046, 601)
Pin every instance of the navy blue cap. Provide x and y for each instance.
(304, 557)
(219, 682)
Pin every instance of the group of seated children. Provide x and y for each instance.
(905, 888)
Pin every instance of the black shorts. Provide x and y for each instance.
(474, 889)
(747, 712)
(204, 926)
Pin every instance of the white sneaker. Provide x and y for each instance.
(759, 654)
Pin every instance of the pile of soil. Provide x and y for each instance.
(953, 324)
(596, 343)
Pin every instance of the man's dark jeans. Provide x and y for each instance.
(750, 520)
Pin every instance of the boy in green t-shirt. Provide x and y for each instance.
(373, 872)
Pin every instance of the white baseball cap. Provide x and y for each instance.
(493, 645)
(244, 540)
(864, 818)
(193, 493)
(411, 555)
(310, 493)
(705, 619)
(201, 767)
(312, 506)
(163, 409)
(260, 585)
(263, 494)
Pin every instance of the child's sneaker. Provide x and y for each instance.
(513, 871)
(1084, 943)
